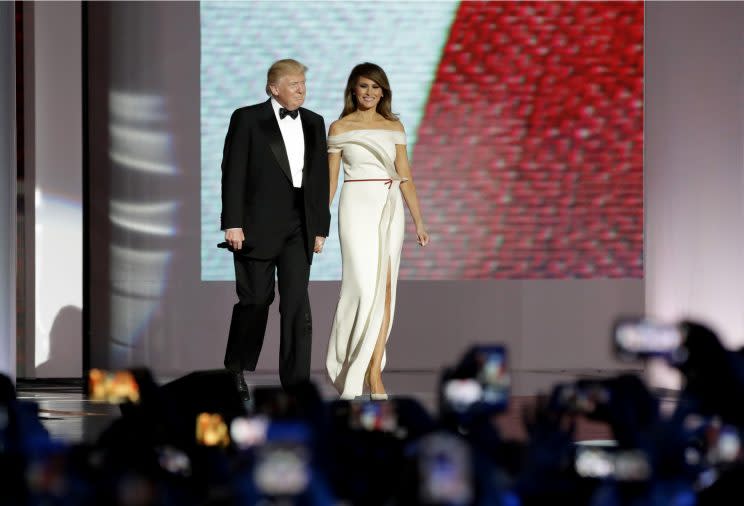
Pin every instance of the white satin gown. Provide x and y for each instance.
(371, 222)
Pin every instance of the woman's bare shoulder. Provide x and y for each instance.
(340, 126)
(396, 125)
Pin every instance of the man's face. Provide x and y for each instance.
(289, 90)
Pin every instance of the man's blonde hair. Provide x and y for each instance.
(280, 69)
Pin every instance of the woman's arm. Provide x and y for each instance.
(408, 189)
(334, 165)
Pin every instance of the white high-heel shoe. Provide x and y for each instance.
(374, 397)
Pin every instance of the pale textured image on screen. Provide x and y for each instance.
(240, 41)
(524, 123)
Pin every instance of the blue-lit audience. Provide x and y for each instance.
(292, 448)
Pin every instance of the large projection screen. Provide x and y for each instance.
(524, 124)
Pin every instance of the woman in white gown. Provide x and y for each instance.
(372, 144)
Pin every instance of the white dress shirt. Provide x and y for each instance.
(294, 141)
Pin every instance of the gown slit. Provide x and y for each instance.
(384, 333)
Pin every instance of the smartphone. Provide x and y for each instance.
(276, 403)
(726, 447)
(211, 430)
(247, 432)
(461, 394)
(635, 338)
(445, 470)
(721, 442)
(581, 397)
(113, 387)
(282, 468)
(486, 387)
(173, 460)
(373, 416)
(602, 462)
(493, 376)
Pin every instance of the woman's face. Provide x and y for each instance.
(368, 93)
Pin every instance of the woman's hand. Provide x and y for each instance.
(422, 236)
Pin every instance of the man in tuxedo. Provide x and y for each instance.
(275, 215)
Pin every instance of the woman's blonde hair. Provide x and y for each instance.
(375, 73)
(280, 69)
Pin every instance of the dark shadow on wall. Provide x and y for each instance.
(64, 360)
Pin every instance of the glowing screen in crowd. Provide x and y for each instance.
(524, 123)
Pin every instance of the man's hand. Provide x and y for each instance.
(319, 242)
(235, 238)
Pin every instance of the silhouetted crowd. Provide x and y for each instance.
(179, 444)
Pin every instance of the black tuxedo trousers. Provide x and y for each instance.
(254, 279)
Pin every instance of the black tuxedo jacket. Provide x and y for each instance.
(257, 191)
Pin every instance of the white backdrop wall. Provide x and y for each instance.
(694, 166)
(7, 190)
(53, 174)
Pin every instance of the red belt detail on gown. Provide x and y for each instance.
(388, 182)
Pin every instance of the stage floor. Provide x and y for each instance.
(71, 417)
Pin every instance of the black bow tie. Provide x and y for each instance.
(283, 113)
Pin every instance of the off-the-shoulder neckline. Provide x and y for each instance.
(368, 130)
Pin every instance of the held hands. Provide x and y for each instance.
(422, 236)
(319, 242)
(235, 238)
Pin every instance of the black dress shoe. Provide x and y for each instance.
(241, 385)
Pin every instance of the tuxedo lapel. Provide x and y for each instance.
(270, 128)
(309, 135)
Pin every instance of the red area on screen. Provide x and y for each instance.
(529, 158)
